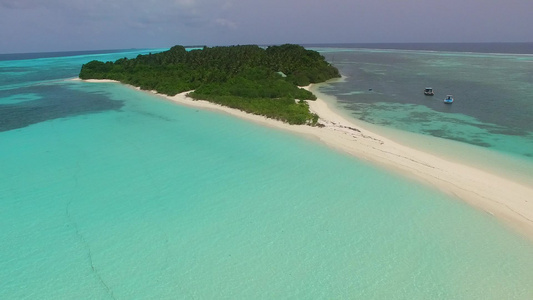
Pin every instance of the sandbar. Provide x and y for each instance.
(509, 201)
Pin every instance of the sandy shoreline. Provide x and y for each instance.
(503, 198)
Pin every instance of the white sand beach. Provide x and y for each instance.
(505, 199)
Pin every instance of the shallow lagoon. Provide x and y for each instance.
(136, 197)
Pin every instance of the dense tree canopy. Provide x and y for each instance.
(250, 78)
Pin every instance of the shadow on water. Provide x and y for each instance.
(50, 102)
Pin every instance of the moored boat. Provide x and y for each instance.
(428, 91)
(448, 99)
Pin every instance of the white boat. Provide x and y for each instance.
(428, 91)
(448, 99)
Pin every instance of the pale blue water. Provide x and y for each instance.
(111, 193)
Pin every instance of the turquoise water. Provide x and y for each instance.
(119, 194)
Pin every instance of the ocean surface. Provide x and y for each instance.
(383, 85)
(107, 192)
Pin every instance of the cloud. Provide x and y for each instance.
(185, 13)
(185, 2)
(225, 23)
(69, 24)
(21, 4)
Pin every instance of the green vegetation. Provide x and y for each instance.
(256, 80)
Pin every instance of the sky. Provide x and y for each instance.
(70, 25)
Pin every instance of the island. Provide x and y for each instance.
(253, 84)
(262, 81)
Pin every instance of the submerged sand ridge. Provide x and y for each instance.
(503, 198)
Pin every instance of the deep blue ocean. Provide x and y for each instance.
(107, 192)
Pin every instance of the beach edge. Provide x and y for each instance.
(508, 201)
